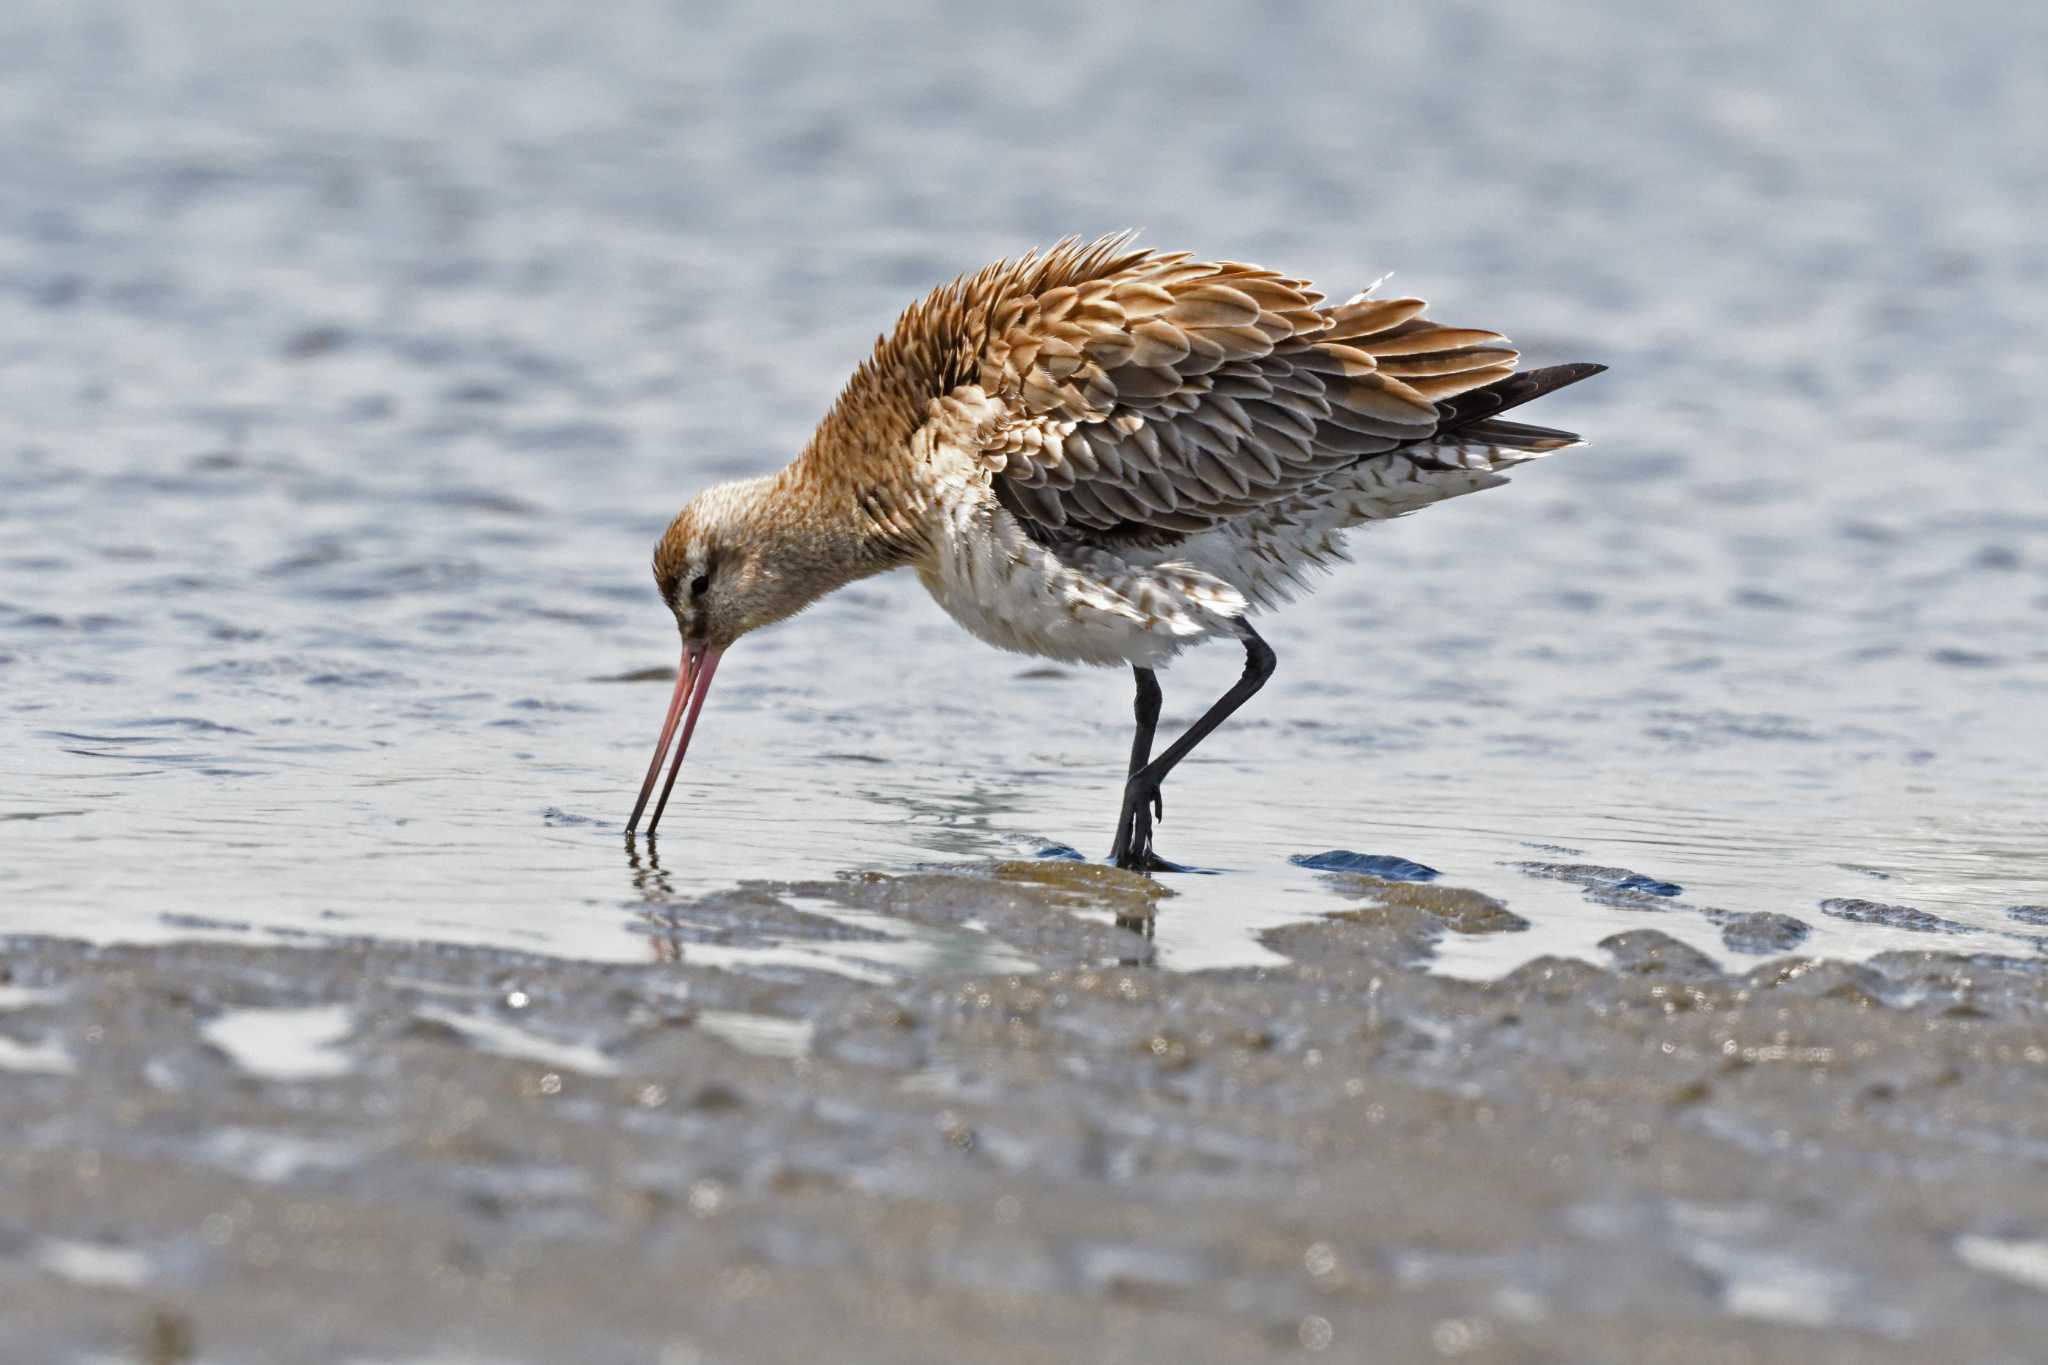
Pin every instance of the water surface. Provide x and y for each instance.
(354, 362)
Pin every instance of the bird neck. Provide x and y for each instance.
(858, 479)
(810, 536)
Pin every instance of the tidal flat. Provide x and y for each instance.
(360, 1150)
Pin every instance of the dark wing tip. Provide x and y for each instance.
(1550, 378)
(1525, 386)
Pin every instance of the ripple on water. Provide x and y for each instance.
(1964, 658)
(1383, 865)
(662, 674)
(1891, 916)
(358, 677)
(1616, 885)
(557, 817)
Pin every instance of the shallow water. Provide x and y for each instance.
(354, 363)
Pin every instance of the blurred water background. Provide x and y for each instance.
(352, 358)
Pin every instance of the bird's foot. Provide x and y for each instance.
(1142, 805)
(1148, 861)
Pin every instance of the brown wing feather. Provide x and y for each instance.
(1148, 391)
(1143, 395)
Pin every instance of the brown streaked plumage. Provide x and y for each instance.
(1103, 454)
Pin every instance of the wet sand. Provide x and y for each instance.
(355, 1150)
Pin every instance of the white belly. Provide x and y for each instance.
(1075, 605)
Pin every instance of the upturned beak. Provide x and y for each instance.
(693, 683)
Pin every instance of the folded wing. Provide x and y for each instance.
(1163, 393)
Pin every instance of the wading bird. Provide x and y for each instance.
(1104, 455)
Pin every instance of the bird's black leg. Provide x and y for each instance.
(1142, 801)
(1146, 708)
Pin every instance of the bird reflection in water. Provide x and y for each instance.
(654, 885)
(1142, 926)
(651, 882)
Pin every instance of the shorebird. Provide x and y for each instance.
(1103, 455)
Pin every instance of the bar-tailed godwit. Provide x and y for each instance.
(1104, 455)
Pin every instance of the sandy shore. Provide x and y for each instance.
(367, 1151)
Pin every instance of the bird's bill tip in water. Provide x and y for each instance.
(693, 683)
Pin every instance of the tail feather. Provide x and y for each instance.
(1507, 435)
(1469, 434)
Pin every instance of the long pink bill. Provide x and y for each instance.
(693, 684)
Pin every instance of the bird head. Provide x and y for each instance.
(738, 557)
(733, 561)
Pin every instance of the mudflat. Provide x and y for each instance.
(359, 1150)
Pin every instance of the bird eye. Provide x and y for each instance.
(699, 584)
